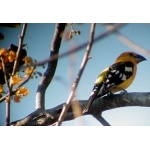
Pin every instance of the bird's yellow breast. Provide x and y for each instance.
(123, 85)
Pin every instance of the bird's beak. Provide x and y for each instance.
(139, 58)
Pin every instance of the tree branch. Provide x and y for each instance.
(50, 116)
(21, 38)
(52, 64)
(75, 84)
(15, 67)
(9, 91)
(101, 119)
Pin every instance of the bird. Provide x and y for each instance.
(117, 77)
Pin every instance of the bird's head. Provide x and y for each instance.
(130, 56)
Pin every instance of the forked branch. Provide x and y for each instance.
(52, 64)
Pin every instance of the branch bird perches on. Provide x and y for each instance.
(50, 116)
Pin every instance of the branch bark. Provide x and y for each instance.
(50, 116)
(52, 64)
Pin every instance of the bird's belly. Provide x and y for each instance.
(122, 86)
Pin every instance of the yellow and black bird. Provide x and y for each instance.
(116, 77)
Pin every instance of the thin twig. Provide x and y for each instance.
(9, 91)
(15, 67)
(101, 120)
(20, 85)
(27, 79)
(14, 72)
(8, 112)
(5, 75)
(73, 50)
(129, 42)
(75, 84)
(21, 38)
(7, 120)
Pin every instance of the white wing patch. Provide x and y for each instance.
(128, 69)
(117, 72)
(123, 77)
(109, 76)
(120, 75)
(113, 71)
(107, 80)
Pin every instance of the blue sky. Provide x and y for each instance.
(104, 52)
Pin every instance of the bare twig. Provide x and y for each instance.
(5, 75)
(21, 38)
(14, 71)
(75, 84)
(101, 120)
(129, 42)
(8, 112)
(52, 64)
(9, 91)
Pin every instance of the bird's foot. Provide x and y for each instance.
(123, 92)
(110, 94)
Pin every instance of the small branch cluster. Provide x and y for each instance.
(7, 58)
(73, 32)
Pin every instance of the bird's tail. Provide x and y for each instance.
(91, 99)
(89, 103)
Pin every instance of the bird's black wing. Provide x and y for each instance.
(117, 74)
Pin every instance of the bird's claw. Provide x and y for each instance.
(123, 92)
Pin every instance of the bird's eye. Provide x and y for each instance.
(131, 54)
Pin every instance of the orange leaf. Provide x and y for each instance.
(3, 52)
(1, 88)
(16, 79)
(27, 60)
(7, 99)
(29, 71)
(17, 99)
(12, 56)
(22, 91)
